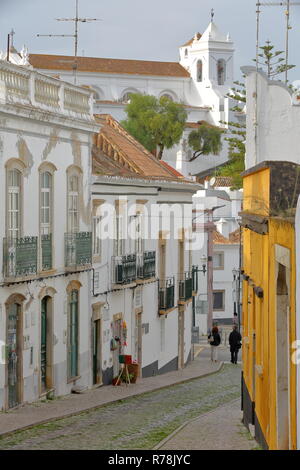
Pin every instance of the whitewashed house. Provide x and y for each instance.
(224, 238)
(46, 130)
(200, 80)
(143, 280)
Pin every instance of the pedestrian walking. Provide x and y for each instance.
(214, 341)
(235, 339)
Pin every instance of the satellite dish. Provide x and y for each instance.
(212, 181)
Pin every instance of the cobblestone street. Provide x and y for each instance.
(140, 422)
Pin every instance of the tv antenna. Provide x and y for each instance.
(287, 4)
(75, 20)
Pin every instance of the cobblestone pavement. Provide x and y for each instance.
(220, 429)
(134, 423)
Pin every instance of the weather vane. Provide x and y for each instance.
(212, 14)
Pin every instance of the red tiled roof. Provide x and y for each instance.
(233, 239)
(196, 125)
(100, 65)
(175, 172)
(188, 43)
(129, 153)
(235, 236)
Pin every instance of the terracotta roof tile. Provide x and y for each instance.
(218, 238)
(196, 125)
(100, 65)
(233, 239)
(137, 159)
(175, 172)
(188, 43)
(235, 236)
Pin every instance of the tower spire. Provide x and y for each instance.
(212, 14)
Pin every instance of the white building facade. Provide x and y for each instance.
(201, 80)
(144, 277)
(45, 235)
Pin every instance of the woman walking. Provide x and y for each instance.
(214, 340)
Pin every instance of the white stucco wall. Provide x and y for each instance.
(276, 139)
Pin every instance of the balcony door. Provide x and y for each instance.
(73, 346)
(14, 354)
(46, 345)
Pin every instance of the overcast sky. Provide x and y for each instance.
(143, 29)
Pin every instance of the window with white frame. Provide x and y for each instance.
(219, 300)
(73, 203)
(46, 203)
(14, 203)
(218, 260)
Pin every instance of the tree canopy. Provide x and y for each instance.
(155, 123)
(205, 140)
(236, 138)
(272, 61)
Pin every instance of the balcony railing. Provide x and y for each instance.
(166, 295)
(26, 86)
(46, 252)
(20, 256)
(78, 249)
(146, 265)
(186, 286)
(124, 269)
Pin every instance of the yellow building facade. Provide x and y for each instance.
(271, 190)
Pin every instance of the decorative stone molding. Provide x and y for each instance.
(73, 285)
(15, 298)
(47, 292)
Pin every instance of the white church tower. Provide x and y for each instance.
(209, 59)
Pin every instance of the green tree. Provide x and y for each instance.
(236, 138)
(205, 140)
(272, 61)
(155, 123)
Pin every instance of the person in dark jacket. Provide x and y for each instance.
(214, 340)
(235, 343)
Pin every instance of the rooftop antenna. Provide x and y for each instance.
(287, 4)
(76, 20)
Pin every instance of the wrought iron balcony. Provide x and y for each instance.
(46, 252)
(186, 286)
(124, 269)
(20, 256)
(146, 264)
(78, 249)
(166, 295)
